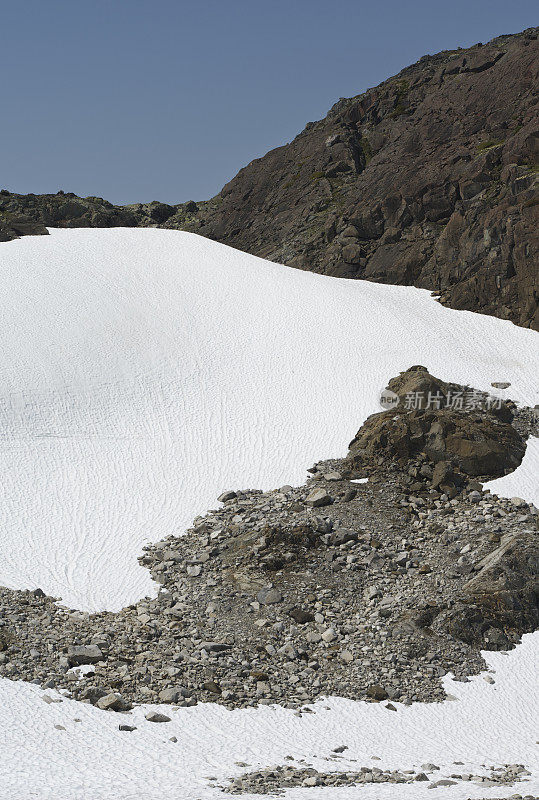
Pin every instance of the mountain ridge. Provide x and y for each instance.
(429, 179)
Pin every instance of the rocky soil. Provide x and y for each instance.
(429, 179)
(276, 780)
(370, 590)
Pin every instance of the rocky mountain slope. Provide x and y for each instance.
(428, 179)
(377, 576)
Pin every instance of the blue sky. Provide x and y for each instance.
(135, 100)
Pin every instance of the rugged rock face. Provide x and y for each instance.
(429, 179)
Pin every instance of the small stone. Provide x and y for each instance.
(226, 496)
(171, 695)
(49, 700)
(377, 692)
(518, 502)
(318, 498)
(112, 702)
(127, 728)
(211, 686)
(214, 647)
(329, 635)
(300, 616)
(155, 716)
(443, 782)
(269, 595)
(333, 476)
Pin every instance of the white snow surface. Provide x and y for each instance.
(485, 725)
(145, 371)
(142, 372)
(524, 482)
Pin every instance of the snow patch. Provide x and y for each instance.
(145, 371)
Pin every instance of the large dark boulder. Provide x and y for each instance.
(478, 440)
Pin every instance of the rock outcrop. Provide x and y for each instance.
(456, 429)
(30, 214)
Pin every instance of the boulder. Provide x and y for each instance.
(474, 436)
(318, 498)
(83, 654)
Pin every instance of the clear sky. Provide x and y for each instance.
(135, 100)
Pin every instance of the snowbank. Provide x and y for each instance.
(144, 371)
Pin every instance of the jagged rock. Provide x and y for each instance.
(458, 217)
(502, 594)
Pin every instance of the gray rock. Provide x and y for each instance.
(172, 695)
(112, 702)
(83, 654)
(226, 496)
(155, 716)
(518, 502)
(318, 498)
(214, 647)
(268, 596)
(333, 476)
